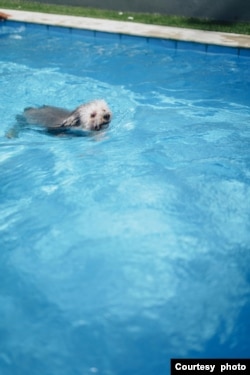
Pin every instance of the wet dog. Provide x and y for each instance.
(4, 16)
(88, 117)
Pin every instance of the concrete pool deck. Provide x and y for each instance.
(132, 28)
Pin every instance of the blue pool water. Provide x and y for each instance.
(121, 251)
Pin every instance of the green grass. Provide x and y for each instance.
(155, 19)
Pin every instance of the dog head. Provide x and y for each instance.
(94, 115)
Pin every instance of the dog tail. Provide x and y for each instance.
(21, 120)
(13, 132)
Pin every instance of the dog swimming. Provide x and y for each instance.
(89, 117)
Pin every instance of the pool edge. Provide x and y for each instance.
(133, 28)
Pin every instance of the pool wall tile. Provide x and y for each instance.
(36, 26)
(106, 35)
(222, 49)
(182, 45)
(166, 43)
(83, 32)
(59, 29)
(12, 24)
(133, 38)
(244, 52)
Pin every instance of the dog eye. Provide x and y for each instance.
(93, 115)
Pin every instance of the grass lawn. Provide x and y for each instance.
(156, 19)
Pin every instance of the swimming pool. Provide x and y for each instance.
(122, 251)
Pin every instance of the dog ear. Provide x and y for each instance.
(72, 120)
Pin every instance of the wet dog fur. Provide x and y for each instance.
(88, 117)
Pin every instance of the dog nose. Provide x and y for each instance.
(106, 116)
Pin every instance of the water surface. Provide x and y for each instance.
(121, 251)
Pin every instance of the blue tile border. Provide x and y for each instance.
(59, 29)
(244, 52)
(165, 43)
(134, 38)
(105, 35)
(35, 26)
(222, 49)
(81, 32)
(13, 24)
(192, 46)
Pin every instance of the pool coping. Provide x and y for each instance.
(132, 28)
